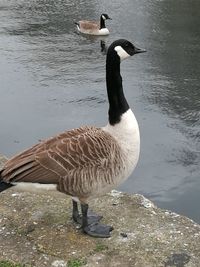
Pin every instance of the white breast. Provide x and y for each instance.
(103, 31)
(127, 134)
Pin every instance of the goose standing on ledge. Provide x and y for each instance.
(93, 27)
(86, 162)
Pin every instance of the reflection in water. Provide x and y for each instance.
(180, 64)
(47, 17)
(48, 29)
(48, 71)
(176, 88)
(104, 47)
(178, 61)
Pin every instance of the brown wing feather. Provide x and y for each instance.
(54, 158)
(89, 25)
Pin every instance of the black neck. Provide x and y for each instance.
(117, 101)
(102, 23)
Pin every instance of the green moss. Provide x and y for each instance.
(5, 263)
(76, 263)
(100, 247)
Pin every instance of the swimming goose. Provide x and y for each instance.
(86, 162)
(93, 27)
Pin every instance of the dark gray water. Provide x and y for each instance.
(53, 79)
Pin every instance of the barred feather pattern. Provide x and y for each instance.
(91, 27)
(83, 162)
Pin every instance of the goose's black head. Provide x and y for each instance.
(117, 51)
(105, 16)
(123, 49)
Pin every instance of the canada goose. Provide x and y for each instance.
(93, 27)
(86, 162)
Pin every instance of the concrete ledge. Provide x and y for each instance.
(37, 230)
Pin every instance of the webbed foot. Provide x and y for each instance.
(90, 222)
(98, 230)
(91, 216)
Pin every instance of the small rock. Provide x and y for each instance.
(59, 263)
(124, 235)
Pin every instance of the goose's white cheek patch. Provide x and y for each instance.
(121, 52)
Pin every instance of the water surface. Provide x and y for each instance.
(53, 79)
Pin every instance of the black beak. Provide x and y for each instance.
(139, 50)
(109, 18)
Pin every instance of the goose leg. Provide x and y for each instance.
(75, 213)
(95, 229)
(91, 216)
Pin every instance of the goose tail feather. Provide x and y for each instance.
(3, 185)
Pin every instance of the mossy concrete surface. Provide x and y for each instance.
(37, 230)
